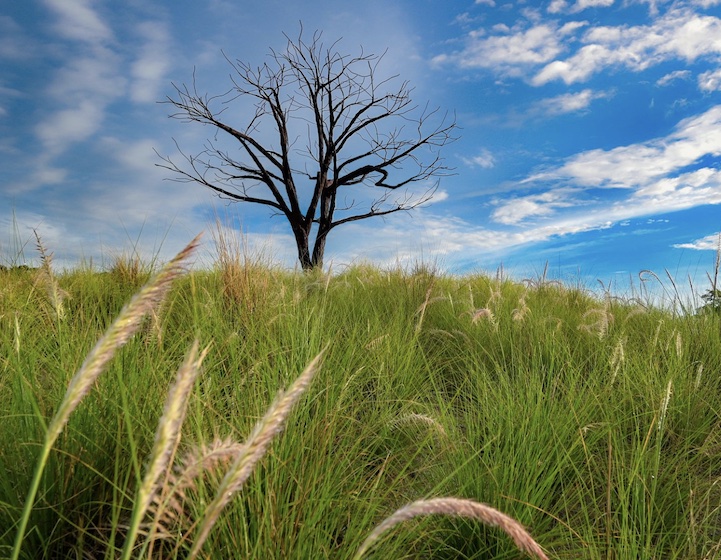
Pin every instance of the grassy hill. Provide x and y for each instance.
(595, 423)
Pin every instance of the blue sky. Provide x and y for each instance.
(590, 129)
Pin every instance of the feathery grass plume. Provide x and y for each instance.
(519, 314)
(416, 418)
(55, 293)
(375, 342)
(167, 511)
(618, 358)
(421, 311)
(600, 326)
(664, 406)
(460, 508)
(253, 450)
(638, 310)
(484, 314)
(119, 332)
(699, 372)
(167, 439)
(16, 334)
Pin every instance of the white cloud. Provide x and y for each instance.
(710, 81)
(557, 6)
(95, 74)
(508, 52)
(673, 76)
(78, 20)
(490, 3)
(706, 3)
(708, 243)
(637, 165)
(678, 34)
(581, 5)
(64, 127)
(515, 210)
(570, 27)
(149, 70)
(484, 159)
(14, 42)
(568, 102)
(652, 178)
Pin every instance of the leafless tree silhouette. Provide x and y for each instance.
(366, 141)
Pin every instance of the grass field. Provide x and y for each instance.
(593, 422)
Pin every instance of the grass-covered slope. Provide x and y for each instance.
(594, 423)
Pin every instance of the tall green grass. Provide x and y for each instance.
(440, 402)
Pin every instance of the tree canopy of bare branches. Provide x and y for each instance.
(326, 142)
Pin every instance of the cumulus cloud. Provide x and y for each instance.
(508, 51)
(680, 33)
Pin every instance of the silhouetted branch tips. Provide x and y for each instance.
(361, 128)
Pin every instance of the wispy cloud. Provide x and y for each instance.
(638, 165)
(484, 159)
(515, 210)
(710, 81)
(568, 102)
(153, 62)
(78, 20)
(673, 76)
(709, 243)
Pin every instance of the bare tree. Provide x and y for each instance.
(365, 141)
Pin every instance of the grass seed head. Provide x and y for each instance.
(460, 508)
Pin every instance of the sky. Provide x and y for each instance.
(589, 131)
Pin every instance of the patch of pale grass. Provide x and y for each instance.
(457, 507)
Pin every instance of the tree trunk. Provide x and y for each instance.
(319, 250)
(301, 241)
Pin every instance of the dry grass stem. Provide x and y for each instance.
(253, 450)
(460, 508)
